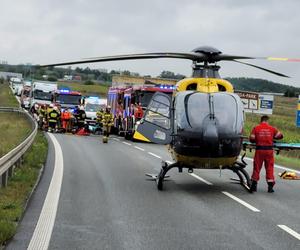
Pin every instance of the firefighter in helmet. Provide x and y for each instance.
(42, 111)
(107, 121)
(53, 118)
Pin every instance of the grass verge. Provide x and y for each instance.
(7, 99)
(95, 89)
(14, 128)
(16, 194)
(281, 159)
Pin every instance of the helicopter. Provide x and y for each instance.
(202, 123)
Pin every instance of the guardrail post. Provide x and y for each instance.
(4, 179)
(10, 171)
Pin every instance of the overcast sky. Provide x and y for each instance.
(49, 31)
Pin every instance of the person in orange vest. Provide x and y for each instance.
(263, 135)
(138, 113)
(66, 118)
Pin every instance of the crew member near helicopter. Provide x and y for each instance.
(107, 121)
(263, 135)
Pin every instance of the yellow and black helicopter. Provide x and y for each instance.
(203, 121)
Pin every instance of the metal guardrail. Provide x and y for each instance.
(14, 158)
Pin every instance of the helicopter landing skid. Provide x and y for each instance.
(160, 177)
(239, 169)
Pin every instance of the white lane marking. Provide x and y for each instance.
(278, 166)
(129, 144)
(247, 205)
(139, 148)
(116, 139)
(43, 230)
(290, 231)
(201, 179)
(169, 162)
(157, 156)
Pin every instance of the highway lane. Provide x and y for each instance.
(106, 202)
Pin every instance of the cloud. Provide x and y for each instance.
(51, 31)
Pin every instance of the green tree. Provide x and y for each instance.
(89, 82)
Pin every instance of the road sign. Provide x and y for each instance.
(249, 99)
(266, 103)
(256, 103)
(298, 114)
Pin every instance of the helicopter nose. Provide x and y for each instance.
(210, 134)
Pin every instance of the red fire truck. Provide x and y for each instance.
(125, 102)
(66, 98)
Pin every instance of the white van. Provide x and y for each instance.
(93, 104)
(16, 84)
(42, 92)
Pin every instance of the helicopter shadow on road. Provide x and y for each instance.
(175, 183)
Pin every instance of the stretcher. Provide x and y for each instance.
(277, 146)
(289, 176)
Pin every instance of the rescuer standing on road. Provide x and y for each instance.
(107, 121)
(53, 118)
(99, 116)
(80, 116)
(42, 111)
(65, 120)
(263, 135)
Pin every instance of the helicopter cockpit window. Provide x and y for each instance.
(190, 111)
(158, 112)
(229, 112)
(193, 109)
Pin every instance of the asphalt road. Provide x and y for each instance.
(107, 202)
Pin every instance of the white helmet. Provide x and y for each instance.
(51, 105)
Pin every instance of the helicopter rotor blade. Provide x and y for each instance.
(261, 68)
(281, 59)
(189, 56)
(196, 57)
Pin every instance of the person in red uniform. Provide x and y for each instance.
(263, 135)
(138, 112)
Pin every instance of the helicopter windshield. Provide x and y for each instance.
(158, 111)
(194, 109)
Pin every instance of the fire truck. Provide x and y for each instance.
(67, 98)
(125, 101)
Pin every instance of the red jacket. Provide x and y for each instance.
(264, 134)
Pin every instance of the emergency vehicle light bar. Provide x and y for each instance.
(64, 91)
(166, 87)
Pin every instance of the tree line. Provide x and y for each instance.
(89, 75)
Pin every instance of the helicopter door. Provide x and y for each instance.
(155, 126)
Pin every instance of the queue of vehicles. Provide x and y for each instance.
(127, 102)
